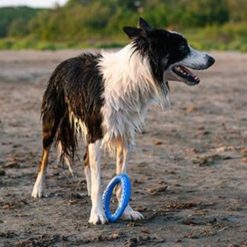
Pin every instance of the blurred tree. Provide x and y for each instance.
(19, 15)
(201, 12)
(237, 10)
(18, 28)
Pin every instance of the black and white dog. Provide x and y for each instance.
(104, 98)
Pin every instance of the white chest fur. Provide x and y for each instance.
(129, 87)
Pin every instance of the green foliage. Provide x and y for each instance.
(16, 20)
(210, 24)
(200, 13)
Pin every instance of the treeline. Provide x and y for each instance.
(92, 21)
(15, 21)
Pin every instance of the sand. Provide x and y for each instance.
(188, 169)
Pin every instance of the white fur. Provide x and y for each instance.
(97, 214)
(129, 88)
(130, 214)
(38, 186)
(79, 125)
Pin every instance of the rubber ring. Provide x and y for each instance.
(124, 180)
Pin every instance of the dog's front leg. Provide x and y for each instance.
(121, 166)
(97, 215)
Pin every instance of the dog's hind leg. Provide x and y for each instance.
(97, 215)
(50, 124)
(49, 131)
(87, 170)
(121, 166)
(39, 183)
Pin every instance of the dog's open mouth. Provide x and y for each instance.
(186, 74)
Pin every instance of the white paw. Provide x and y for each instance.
(37, 192)
(38, 187)
(130, 214)
(97, 216)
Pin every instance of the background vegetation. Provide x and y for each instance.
(208, 24)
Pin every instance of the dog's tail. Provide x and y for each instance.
(67, 138)
(55, 117)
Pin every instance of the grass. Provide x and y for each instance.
(15, 44)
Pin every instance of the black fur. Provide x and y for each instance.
(76, 85)
(163, 48)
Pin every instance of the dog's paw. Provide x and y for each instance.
(130, 214)
(37, 192)
(38, 187)
(97, 216)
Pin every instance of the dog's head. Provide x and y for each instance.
(169, 53)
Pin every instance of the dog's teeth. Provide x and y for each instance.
(186, 74)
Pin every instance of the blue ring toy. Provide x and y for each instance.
(124, 180)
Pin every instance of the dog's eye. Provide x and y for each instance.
(183, 47)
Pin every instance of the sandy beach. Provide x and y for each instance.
(188, 169)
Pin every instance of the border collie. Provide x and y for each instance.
(104, 98)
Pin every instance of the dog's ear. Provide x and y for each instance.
(144, 25)
(132, 32)
(141, 30)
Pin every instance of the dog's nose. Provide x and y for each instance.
(211, 61)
